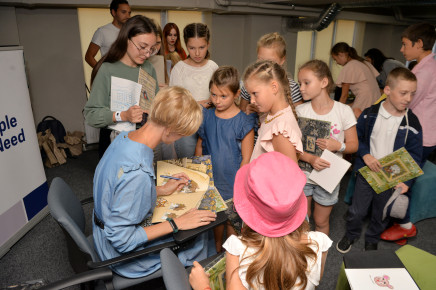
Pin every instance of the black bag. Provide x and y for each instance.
(56, 127)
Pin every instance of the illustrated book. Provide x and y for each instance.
(217, 272)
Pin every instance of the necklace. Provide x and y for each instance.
(267, 121)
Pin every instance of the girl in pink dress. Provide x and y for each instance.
(268, 86)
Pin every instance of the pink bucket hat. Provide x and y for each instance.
(268, 195)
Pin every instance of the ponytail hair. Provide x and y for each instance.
(267, 71)
(196, 30)
(135, 25)
(345, 48)
(321, 70)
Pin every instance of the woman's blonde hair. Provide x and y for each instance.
(321, 70)
(176, 109)
(279, 263)
(266, 71)
(273, 40)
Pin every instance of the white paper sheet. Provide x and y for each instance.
(329, 178)
(380, 278)
(124, 94)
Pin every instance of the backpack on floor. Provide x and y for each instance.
(55, 126)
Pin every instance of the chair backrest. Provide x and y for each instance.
(173, 272)
(67, 210)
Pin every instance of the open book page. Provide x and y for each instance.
(397, 167)
(312, 130)
(124, 94)
(330, 177)
(380, 278)
(148, 89)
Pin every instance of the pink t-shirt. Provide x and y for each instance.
(283, 122)
(424, 101)
(362, 79)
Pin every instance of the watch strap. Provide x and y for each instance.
(173, 225)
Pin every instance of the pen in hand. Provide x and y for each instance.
(172, 177)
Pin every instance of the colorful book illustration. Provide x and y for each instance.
(233, 217)
(217, 272)
(380, 278)
(312, 130)
(397, 167)
(148, 89)
(199, 194)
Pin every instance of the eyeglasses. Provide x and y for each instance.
(150, 52)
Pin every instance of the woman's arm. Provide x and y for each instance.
(344, 93)
(283, 145)
(247, 146)
(198, 147)
(233, 282)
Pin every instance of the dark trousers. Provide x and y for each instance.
(365, 199)
(104, 141)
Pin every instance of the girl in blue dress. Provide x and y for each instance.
(226, 134)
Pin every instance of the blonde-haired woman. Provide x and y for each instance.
(125, 193)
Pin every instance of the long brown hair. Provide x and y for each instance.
(321, 70)
(166, 32)
(279, 263)
(266, 70)
(345, 48)
(135, 25)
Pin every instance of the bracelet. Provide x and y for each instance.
(342, 149)
(118, 116)
(173, 225)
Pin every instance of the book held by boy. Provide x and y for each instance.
(397, 167)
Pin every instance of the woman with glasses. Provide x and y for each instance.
(126, 59)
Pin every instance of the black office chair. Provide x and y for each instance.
(67, 210)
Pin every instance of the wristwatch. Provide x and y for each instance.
(173, 225)
(118, 116)
(342, 147)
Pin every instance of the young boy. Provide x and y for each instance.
(417, 43)
(382, 129)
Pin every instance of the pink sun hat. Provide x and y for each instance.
(268, 195)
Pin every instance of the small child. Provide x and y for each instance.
(226, 134)
(276, 249)
(315, 84)
(268, 86)
(417, 43)
(382, 129)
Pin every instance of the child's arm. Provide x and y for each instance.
(247, 146)
(323, 259)
(372, 162)
(232, 276)
(281, 144)
(344, 93)
(198, 147)
(351, 142)
(316, 162)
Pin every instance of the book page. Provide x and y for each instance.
(148, 89)
(383, 278)
(329, 178)
(124, 94)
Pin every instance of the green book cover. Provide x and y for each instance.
(397, 167)
(311, 130)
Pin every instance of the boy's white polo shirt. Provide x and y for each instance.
(384, 133)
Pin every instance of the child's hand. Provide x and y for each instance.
(251, 108)
(319, 163)
(198, 278)
(329, 144)
(372, 163)
(404, 188)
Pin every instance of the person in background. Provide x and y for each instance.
(276, 249)
(159, 56)
(171, 40)
(227, 135)
(105, 35)
(382, 64)
(127, 56)
(316, 83)
(194, 74)
(382, 129)
(357, 75)
(417, 43)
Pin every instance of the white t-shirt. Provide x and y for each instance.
(384, 133)
(234, 246)
(194, 79)
(104, 37)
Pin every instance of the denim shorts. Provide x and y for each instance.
(320, 195)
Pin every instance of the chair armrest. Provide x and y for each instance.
(87, 200)
(183, 236)
(104, 274)
(133, 255)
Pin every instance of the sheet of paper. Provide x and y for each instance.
(124, 94)
(376, 279)
(178, 203)
(329, 178)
